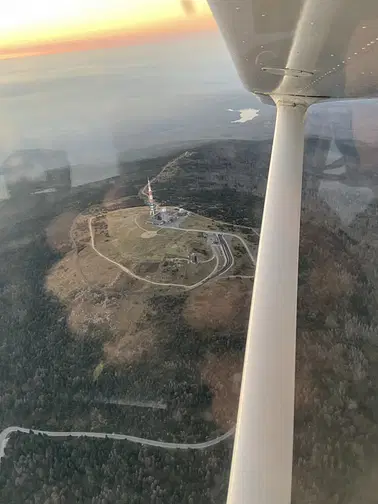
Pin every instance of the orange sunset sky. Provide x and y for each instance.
(47, 26)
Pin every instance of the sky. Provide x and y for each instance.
(45, 26)
(129, 101)
(132, 95)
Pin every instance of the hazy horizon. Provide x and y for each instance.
(44, 27)
(96, 104)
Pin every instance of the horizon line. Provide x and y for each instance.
(107, 39)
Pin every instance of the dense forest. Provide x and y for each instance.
(208, 177)
(87, 471)
(46, 370)
(46, 376)
(337, 345)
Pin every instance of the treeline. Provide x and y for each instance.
(43, 470)
(242, 209)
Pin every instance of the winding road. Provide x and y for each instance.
(223, 233)
(228, 263)
(143, 192)
(5, 434)
(134, 275)
(214, 273)
(229, 256)
(229, 259)
(227, 253)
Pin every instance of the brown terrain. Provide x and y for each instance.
(220, 304)
(58, 232)
(98, 292)
(223, 375)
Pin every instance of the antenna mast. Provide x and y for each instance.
(151, 202)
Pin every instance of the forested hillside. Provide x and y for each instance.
(50, 376)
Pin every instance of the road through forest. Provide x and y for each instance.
(228, 263)
(4, 438)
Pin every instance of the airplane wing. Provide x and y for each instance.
(293, 53)
(320, 48)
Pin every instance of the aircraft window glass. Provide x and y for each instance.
(133, 170)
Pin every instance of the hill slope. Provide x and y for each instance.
(337, 354)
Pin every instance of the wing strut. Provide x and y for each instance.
(262, 458)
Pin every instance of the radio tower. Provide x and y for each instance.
(151, 202)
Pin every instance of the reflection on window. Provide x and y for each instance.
(129, 228)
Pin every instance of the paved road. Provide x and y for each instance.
(4, 437)
(134, 275)
(229, 261)
(172, 258)
(143, 192)
(254, 230)
(123, 268)
(229, 257)
(207, 231)
(227, 253)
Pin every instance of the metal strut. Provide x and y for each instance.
(262, 457)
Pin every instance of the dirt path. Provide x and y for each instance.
(137, 277)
